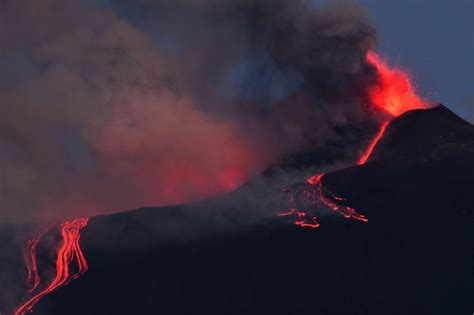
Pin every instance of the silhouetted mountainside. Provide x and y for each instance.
(426, 135)
(430, 149)
(229, 255)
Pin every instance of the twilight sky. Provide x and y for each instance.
(434, 40)
(110, 92)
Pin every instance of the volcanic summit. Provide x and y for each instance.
(416, 248)
(233, 157)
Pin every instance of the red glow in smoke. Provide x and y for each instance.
(394, 92)
(185, 183)
(69, 250)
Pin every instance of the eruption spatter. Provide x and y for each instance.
(70, 250)
(393, 93)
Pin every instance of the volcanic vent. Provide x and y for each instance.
(391, 89)
(390, 166)
(378, 218)
(411, 212)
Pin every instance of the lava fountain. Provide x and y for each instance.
(393, 93)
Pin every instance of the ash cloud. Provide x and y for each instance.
(114, 105)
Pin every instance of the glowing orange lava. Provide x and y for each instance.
(70, 250)
(314, 198)
(302, 221)
(305, 224)
(29, 256)
(363, 159)
(331, 203)
(394, 92)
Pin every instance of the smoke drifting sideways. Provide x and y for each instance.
(108, 106)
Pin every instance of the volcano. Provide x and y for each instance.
(413, 256)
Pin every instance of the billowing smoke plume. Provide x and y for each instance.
(110, 105)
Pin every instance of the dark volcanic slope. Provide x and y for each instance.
(426, 135)
(414, 256)
(417, 192)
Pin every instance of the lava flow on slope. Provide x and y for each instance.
(29, 255)
(311, 197)
(69, 250)
(363, 159)
(393, 93)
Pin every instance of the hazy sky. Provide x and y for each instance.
(434, 40)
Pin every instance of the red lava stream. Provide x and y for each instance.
(69, 251)
(393, 93)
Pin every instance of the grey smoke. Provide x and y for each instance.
(114, 105)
